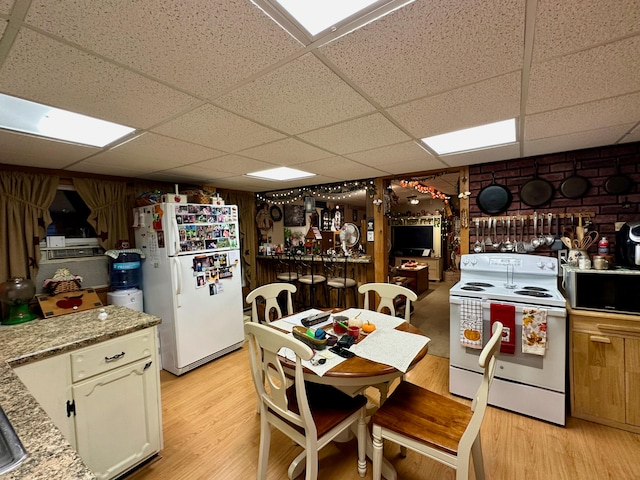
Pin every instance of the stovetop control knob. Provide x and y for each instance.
(551, 266)
(540, 265)
(465, 261)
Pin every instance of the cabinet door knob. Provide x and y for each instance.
(599, 339)
(115, 357)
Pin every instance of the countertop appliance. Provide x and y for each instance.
(192, 280)
(515, 285)
(628, 245)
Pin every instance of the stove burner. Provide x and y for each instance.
(479, 284)
(536, 289)
(472, 288)
(533, 293)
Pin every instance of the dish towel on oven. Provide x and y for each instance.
(534, 330)
(471, 324)
(506, 314)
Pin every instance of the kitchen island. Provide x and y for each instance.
(49, 454)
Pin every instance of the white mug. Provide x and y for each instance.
(584, 263)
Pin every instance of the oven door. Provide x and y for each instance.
(546, 371)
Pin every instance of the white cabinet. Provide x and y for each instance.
(105, 399)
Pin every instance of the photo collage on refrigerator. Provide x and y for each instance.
(206, 227)
(211, 270)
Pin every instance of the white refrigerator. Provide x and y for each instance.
(192, 280)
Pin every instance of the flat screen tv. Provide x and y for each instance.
(411, 240)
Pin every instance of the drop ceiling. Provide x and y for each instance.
(216, 89)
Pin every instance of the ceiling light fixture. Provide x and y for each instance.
(44, 121)
(280, 174)
(413, 200)
(475, 138)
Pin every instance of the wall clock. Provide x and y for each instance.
(276, 213)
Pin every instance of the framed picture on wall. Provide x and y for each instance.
(294, 216)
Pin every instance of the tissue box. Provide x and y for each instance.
(174, 198)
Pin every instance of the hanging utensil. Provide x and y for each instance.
(535, 242)
(542, 240)
(496, 243)
(536, 191)
(589, 239)
(520, 244)
(618, 184)
(575, 186)
(494, 198)
(557, 242)
(580, 230)
(477, 247)
(508, 246)
(549, 238)
(487, 241)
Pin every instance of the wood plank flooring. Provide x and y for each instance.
(212, 431)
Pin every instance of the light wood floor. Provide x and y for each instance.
(211, 431)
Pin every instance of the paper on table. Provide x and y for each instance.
(287, 323)
(381, 320)
(391, 347)
(320, 370)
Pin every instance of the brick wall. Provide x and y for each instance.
(596, 164)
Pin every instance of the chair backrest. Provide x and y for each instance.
(487, 361)
(266, 368)
(387, 293)
(270, 293)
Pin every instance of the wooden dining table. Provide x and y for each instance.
(353, 376)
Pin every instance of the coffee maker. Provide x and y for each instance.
(628, 245)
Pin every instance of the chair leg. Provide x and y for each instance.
(265, 440)
(376, 459)
(362, 446)
(478, 462)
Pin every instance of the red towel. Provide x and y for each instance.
(507, 315)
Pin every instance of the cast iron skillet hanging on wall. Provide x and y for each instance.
(494, 198)
(574, 186)
(536, 191)
(618, 184)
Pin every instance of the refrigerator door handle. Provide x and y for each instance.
(176, 265)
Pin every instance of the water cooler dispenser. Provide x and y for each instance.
(125, 278)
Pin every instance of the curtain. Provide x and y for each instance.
(24, 216)
(246, 213)
(109, 205)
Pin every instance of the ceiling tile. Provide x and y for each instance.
(299, 96)
(431, 46)
(590, 116)
(633, 136)
(31, 151)
(233, 164)
(576, 141)
(478, 104)
(401, 158)
(85, 84)
(197, 45)
(5, 6)
(217, 128)
(340, 168)
(155, 152)
(3, 26)
(286, 152)
(487, 155)
(357, 135)
(119, 170)
(592, 22)
(600, 72)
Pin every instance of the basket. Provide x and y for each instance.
(63, 286)
(198, 196)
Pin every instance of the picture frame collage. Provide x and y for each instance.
(206, 227)
(210, 269)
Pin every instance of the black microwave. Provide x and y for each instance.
(616, 290)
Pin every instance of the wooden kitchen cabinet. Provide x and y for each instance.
(605, 368)
(105, 399)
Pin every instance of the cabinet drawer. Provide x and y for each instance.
(111, 354)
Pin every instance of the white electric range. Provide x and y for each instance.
(530, 384)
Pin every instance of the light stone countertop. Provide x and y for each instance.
(49, 454)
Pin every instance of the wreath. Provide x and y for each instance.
(276, 213)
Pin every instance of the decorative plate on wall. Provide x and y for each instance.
(276, 213)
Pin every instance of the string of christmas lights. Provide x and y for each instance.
(336, 191)
(424, 189)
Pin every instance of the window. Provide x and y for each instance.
(69, 216)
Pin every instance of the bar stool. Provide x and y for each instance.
(336, 273)
(311, 279)
(286, 271)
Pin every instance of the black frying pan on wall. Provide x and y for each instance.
(494, 198)
(618, 184)
(536, 191)
(575, 186)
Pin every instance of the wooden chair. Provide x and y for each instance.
(437, 426)
(336, 272)
(388, 293)
(310, 414)
(270, 293)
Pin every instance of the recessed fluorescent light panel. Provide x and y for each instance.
(37, 119)
(281, 173)
(475, 138)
